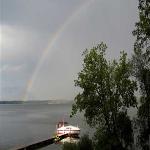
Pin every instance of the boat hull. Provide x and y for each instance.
(70, 130)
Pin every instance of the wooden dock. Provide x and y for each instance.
(42, 144)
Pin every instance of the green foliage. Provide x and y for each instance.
(107, 92)
(141, 70)
(106, 86)
(144, 123)
(70, 146)
(142, 31)
(141, 62)
(85, 143)
(121, 139)
(106, 141)
(124, 129)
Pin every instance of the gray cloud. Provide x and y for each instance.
(41, 15)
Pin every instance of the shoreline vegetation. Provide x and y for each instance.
(38, 102)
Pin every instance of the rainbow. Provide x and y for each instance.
(51, 43)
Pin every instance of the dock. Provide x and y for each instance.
(42, 144)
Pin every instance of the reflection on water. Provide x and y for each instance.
(69, 140)
(22, 124)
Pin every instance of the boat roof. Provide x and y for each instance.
(70, 127)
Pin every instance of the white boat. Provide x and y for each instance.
(64, 128)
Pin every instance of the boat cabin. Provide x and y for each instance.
(61, 124)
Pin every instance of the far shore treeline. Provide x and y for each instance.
(37, 102)
(111, 88)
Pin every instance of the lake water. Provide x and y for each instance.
(23, 124)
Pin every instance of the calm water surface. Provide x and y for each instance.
(22, 124)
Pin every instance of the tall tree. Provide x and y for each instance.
(107, 93)
(141, 61)
(142, 31)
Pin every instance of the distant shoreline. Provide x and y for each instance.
(38, 102)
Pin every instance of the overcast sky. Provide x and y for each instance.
(42, 42)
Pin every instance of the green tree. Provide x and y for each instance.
(107, 93)
(142, 31)
(122, 141)
(85, 143)
(70, 146)
(141, 61)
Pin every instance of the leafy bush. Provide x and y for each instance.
(85, 143)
